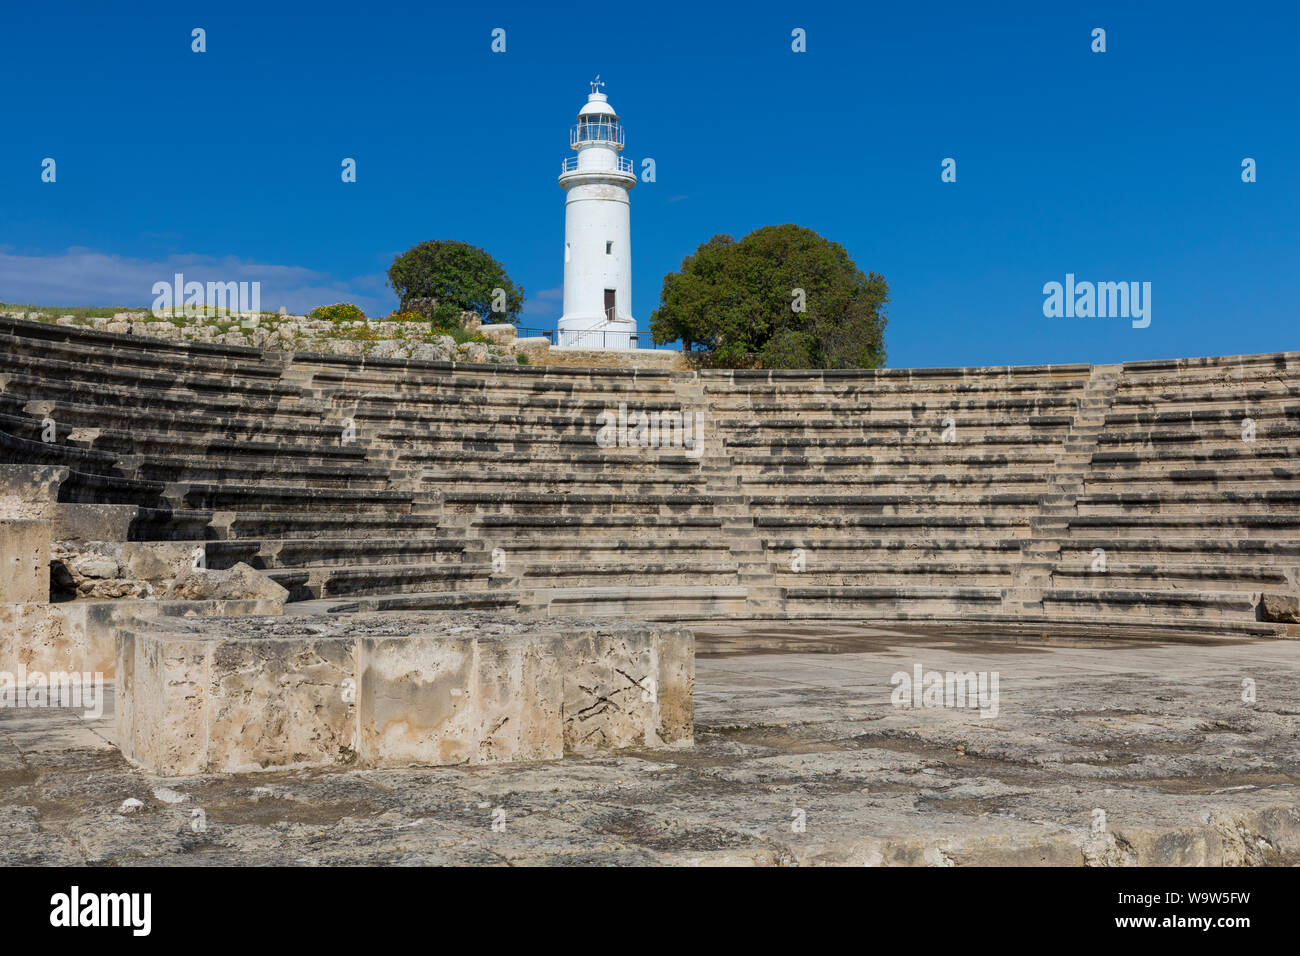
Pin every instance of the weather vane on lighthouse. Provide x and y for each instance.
(597, 232)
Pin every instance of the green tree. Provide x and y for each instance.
(782, 295)
(463, 278)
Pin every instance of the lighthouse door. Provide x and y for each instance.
(609, 304)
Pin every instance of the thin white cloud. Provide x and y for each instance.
(542, 309)
(84, 277)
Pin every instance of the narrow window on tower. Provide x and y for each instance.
(566, 252)
(609, 248)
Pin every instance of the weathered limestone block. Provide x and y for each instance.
(534, 349)
(675, 650)
(165, 733)
(425, 352)
(608, 691)
(79, 636)
(519, 683)
(615, 686)
(83, 523)
(500, 333)
(24, 561)
(191, 704)
(169, 567)
(29, 491)
(93, 632)
(42, 637)
(667, 359)
(458, 699)
(240, 583)
(387, 348)
(394, 690)
(92, 571)
(1280, 607)
(103, 620)
(159, 562)
(416, 701)
(286, 703)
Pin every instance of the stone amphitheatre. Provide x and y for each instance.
(370, 610)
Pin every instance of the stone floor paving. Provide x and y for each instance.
(1102, 752)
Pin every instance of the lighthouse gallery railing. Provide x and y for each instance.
(570, 165)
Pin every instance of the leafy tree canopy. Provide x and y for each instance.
(782, 295)
(463, 278)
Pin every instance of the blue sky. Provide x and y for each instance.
(1122, 166)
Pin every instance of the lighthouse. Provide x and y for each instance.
(597, 232)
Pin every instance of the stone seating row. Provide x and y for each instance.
(484, 484)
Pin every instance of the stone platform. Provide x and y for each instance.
(395, 690)
(789, 718)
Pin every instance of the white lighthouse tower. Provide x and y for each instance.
(597, 232)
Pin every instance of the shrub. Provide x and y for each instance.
(458, 333)
(340, 312)
(445, 317)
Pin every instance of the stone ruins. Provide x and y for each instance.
(298, 560)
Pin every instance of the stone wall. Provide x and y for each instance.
(373, 338)
(24, 560)
(667, 359)
(103, 582)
